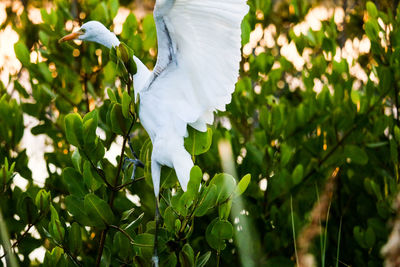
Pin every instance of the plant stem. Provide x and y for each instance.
(85, 79)
(4, 238)
(98, 172)
(338, 247)
(74, 259)
(101, 246)
(123, 232)
(18, 240)
(293, 230)
(117, 188)
(113, 194)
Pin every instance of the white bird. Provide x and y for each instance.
(199, 51)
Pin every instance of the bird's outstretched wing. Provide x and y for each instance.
(199, 53)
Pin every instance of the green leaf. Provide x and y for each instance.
(96, 152)
(113, 6)
(226, 185)
(203, 259)
(146, 243)
(169, 219)
(74, 129)
(56, 230)
(75, 206)
(119, 124)
(129, 27)
(370, 237)
(89, 127)
(134, 224)
(207, 200)
(42, 201)
(397, 134)
(242, 185)
(286, 154)
(386, 78)
(394, 154)
(171, 261)
(356, 154)
(111, 93)
(22, 53)
(126, 54)
(222, 230)
(139, 261)
(149, 27)
(198, 142)
(91, 178)
(371, 8)
(98, 209)
(372, 30)
(246, 29)
(54, 258)
(195, 179)
(26, 208)
(74, 182)
(186, 256)
(127, 214)
(21, 90)
(77, 160)
(297, 175)
(126, 101)
(264, 63)
(359, 236)
(100, 13)
(75, 238)
(213, 240)
(225, 209)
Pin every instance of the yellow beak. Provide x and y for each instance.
(71, 36)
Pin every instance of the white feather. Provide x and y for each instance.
(197, 68)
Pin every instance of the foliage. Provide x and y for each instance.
(290, 138)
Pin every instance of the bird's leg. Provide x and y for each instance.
(135, 160)
(155, 251)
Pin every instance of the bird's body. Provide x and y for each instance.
(197, 67)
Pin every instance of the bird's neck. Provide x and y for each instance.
(108, 39)
(141, 76)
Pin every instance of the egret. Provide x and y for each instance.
(199, 52)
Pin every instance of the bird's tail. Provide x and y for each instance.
(183, 163)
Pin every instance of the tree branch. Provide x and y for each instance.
(113, 193)
(19, 239)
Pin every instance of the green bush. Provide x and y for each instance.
(334, 149)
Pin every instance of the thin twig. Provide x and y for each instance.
(85, 89)
(19, 239)
(101, 246)
(98, 171)
(74, 259)
(117, 188)
(113, 193)
(123, 232)
(396, 100)
(128, 236)
(121, 160)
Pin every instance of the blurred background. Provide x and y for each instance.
(314, 119)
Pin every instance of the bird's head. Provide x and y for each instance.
(92, 31)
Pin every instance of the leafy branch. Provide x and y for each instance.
(113, 193)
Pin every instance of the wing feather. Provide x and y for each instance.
(199, 43)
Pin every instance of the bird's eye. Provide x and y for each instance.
(83, 30)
